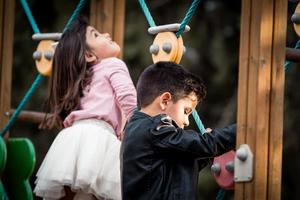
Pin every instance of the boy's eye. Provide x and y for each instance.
(187, 111)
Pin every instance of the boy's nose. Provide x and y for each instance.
(186, 122)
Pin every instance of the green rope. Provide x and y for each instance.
(39, 78)
(30, 16)
(147, 13)
(221, 194)
(184, 22)
(198, 121)
(188, 17)
(75, 14)
(29, 93)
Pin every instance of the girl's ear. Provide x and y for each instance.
(90, 57)
(164, 100)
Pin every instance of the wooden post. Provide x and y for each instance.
(107, 16)
(29, 116)
(7, 10)
(260, 94)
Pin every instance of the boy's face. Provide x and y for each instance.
(181, 110)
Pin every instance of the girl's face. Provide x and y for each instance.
(100, 45)
(181, 110)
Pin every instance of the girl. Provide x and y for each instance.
(91, 96)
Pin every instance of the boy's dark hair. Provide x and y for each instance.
(167, 77)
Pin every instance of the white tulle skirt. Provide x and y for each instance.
(84, 157)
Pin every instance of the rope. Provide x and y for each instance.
(29, 93)
(188, 17)
(30, 16)
(221, 194)
(75, 14)
(147, 13)
(198, 121)
(184, 22)
(39, 78)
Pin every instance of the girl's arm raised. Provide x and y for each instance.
(123, 87)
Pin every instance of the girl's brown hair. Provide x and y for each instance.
(70, 74)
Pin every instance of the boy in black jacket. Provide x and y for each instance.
(159, 159)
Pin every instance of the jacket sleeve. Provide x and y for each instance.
(179, 142)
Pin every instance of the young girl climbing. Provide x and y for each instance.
(91, 97)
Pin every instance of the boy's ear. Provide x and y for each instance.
(165, 98)
(90, 57)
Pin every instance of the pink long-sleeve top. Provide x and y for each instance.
(110, 97)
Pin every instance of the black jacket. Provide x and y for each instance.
(159, 159)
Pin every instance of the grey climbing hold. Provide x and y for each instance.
(37, 55)
(154, 49)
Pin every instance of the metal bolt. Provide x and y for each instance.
(37, 55)
(242, 154)
(230, 166)
(48, 55)
(167, 47)
(7, 113)
(154, 49)
(296, 18)
(216, 169)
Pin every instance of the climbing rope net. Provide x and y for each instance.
(39, 78)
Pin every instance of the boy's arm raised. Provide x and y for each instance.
(179, 142)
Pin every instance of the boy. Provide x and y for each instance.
(159, 159)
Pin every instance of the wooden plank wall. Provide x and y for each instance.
(260, 94)
(108, 16)
(7, 10)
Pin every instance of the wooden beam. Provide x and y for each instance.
(277, 100)
(7, 11)
(108, 16)
(119, 23)
(243, 85)
(251, 95)
(260, 86)
(28, 116)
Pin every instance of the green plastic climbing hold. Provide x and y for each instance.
(19, 167)
(3, 155)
